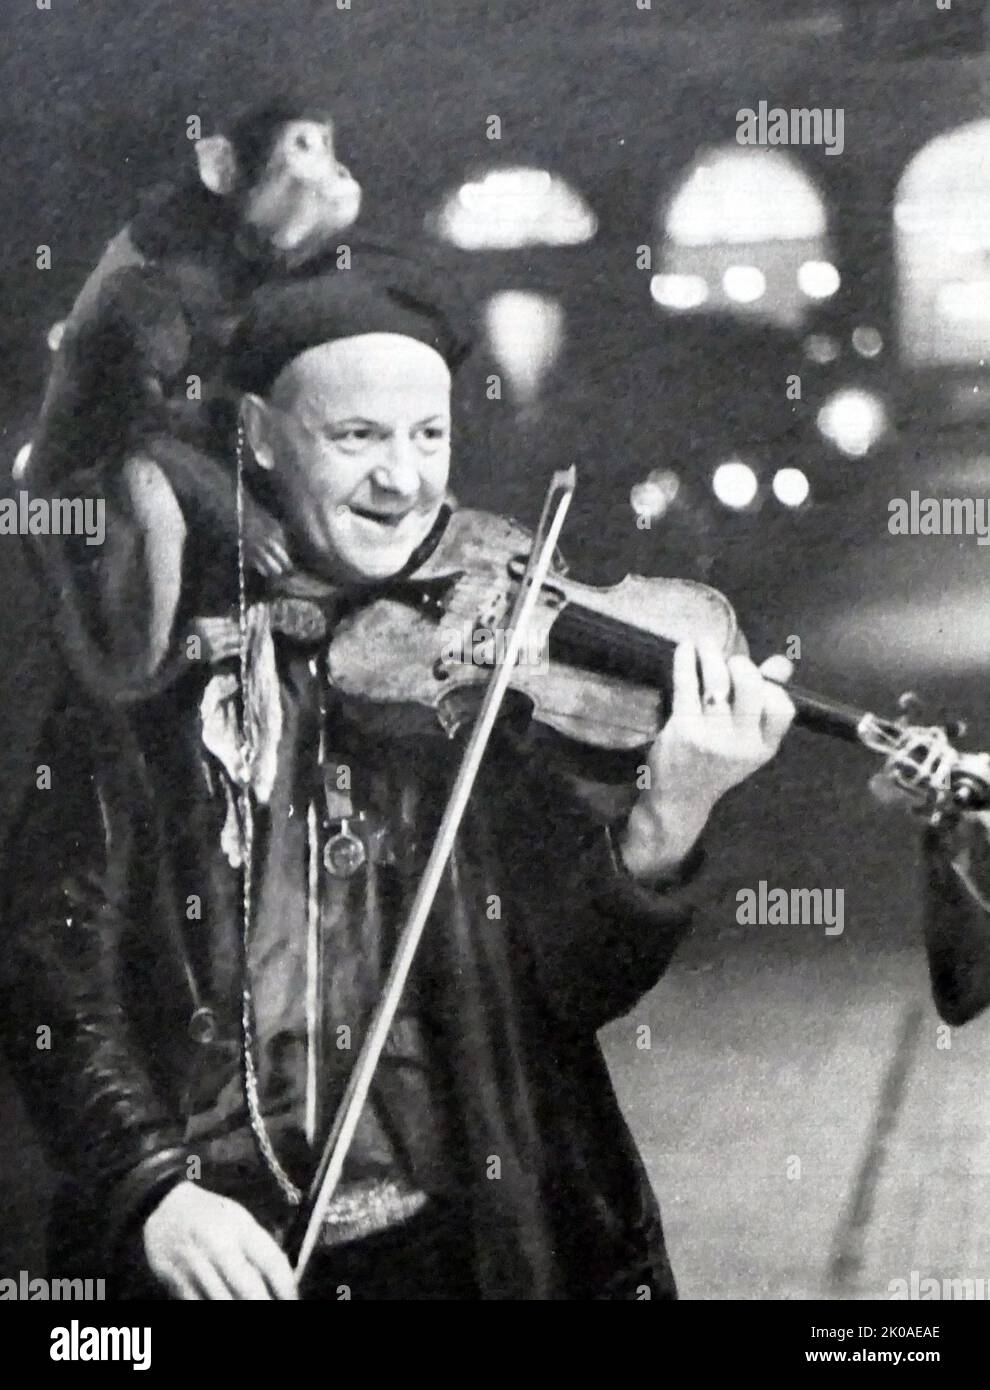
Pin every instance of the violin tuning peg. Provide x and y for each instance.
(910, 704)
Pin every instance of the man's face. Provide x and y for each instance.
(357, 436)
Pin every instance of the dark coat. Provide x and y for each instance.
(957, 925)
(98, 948)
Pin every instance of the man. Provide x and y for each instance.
(204, 924)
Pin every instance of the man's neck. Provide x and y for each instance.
(299, 583)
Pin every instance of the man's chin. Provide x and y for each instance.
(373, 559)
(377, 568)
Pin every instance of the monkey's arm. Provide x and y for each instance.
(207, 489)
(140, 596)
(127, 339)
(119, 252)
(163, 530)
(116, 609)
(108, 397)
(200, 480)
(53, 453)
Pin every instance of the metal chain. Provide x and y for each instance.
(290, 1191)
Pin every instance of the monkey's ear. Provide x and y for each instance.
(217, 161)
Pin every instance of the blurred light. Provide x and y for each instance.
(818, 279)
(853, 420)
(506, 209)
(934, 219)
(744, 283)
(679, 291)
(668, 480)
(918, 219)
(735, 484)
(739, 194)
(652, 497)
(942, 220)
(821, 348)
(943, 192)
(964, 299)
(526, 331)
(868, 342)
(791, 487)
(964, 244)
(21, 461)
(55, 335)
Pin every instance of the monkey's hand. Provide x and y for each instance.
(265, 546)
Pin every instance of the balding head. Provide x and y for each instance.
(355, 368)
(355, 434)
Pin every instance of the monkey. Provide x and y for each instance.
(264, 200)
(133, 402)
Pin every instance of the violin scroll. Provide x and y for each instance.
(923, 766)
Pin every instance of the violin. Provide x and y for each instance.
(596, 665)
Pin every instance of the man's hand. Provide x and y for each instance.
(204, 1246)
(721, 730)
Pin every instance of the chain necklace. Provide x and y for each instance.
(291, 1193)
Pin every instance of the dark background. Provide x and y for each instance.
(95, 99)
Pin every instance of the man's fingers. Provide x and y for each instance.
(238, 1267)
(222, 1266)
(777, 668)
(182, 1287)
(687, 696)
(748, 690)
(208, 1283)
(245, 1282)
(777, 714)
(279, 1280)
(271, 1262)
(715, 679)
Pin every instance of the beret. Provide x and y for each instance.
(286, 319)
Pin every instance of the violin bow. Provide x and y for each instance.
(305, 1230)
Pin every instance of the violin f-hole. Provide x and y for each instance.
(552, 596)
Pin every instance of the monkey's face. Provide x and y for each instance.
(305, 196)
(356, 434)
